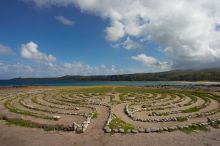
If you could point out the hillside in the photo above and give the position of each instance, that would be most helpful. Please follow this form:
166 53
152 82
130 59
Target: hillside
174 75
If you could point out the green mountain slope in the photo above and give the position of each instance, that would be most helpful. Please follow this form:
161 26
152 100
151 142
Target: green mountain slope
174 75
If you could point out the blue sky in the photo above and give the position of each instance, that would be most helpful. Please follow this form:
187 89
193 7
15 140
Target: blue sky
54 38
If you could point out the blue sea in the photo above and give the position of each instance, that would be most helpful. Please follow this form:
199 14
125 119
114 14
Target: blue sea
89 83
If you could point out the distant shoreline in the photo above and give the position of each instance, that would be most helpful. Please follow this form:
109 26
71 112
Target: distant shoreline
203 76
107 83
201 82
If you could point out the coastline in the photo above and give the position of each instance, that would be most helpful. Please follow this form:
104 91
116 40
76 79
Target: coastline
107 83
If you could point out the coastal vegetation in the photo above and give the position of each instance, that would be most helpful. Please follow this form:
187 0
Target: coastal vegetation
174 75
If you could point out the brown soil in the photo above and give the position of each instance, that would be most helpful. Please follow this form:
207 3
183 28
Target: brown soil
19 136
11 135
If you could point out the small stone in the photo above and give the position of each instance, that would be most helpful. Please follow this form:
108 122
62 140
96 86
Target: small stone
134 131
165 129
156 120
180 127
155 129
186 126
200 124
115 130
147 130
79 130
174 119
71 128
106 127
121 130
172 128
160 129
141 130
129 131
74 126
108 130
56 117
213 121
209 120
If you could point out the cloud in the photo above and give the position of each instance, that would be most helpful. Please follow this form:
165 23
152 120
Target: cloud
79 68
44 65
8 70
14 70
4 50
30 51
151 61
130 44
187 31
64 20
115 31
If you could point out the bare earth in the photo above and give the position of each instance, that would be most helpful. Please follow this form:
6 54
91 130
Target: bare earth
19 136
11 135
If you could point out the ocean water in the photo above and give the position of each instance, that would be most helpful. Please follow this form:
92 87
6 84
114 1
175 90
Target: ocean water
89 83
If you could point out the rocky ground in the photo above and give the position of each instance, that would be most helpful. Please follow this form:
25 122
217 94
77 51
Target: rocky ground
72 105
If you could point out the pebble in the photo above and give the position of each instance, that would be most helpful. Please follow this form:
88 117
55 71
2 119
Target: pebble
115 130
79 129
106 127
121 130
172 128
134 131
108 130
165 128
141 130
129 131
147 130
154 129
160 129
180 127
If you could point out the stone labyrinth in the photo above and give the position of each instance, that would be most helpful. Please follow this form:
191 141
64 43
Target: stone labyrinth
125 109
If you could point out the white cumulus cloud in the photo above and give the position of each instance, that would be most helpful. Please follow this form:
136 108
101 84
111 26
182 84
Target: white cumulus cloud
187 30
64 20
151 61
115 31
30 51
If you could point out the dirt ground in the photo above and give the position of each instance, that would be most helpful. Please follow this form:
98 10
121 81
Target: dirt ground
19 136
11 135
